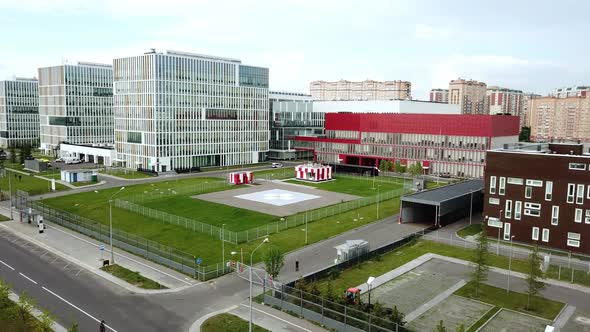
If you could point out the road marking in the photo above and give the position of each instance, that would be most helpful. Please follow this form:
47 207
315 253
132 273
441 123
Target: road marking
131 259
54 260
82 311
31 280
65 267
78 273
8 266
278 318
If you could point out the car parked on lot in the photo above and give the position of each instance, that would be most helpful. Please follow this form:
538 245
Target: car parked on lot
276 165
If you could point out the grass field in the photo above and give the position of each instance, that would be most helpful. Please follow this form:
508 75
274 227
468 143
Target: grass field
228 322
28 183
132 277
275 173
4 218
544 308
469 230
352 186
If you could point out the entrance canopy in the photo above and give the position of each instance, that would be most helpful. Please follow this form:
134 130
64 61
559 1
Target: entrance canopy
443 205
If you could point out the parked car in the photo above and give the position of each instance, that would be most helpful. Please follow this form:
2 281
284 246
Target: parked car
276 165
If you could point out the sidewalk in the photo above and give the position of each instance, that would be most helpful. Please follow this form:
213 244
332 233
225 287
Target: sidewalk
84 251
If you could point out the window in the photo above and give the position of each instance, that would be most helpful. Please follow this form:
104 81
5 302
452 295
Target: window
555 215
508 209
492 184
573 239
517 209
587 219
502 189
578 216
133 137
507 231
517 181
588 192
534 206
580 194
535 233
494 201
548 190
534 183
545 235
532 213
578 166
570 192
528 192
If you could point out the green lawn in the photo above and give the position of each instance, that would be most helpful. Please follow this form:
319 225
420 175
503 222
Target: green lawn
4 218
275 173
230 168
132 277
236 219
353 186
469 230
544 308
228 322
28 183
126 173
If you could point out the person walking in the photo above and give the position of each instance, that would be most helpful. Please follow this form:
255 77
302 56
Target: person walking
296 266
102 327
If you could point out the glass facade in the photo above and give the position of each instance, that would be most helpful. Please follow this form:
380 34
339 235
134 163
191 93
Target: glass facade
190 110
75 105
19 113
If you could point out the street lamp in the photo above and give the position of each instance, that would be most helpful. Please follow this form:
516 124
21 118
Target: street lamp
111 222
509 263
252 258
379 186
499 229
241 255
369 282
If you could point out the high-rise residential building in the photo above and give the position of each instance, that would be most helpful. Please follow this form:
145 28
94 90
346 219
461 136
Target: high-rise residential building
469 94
526 106
439 95
504 101
442 144
539 194
572 91
75 105
560 119
177 110
19 113
291 115
365 90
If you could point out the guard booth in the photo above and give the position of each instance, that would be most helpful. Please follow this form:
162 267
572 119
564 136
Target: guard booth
240 177
313 172
351 249
442 206
33 216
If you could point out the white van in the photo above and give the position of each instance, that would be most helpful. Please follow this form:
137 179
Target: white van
276 165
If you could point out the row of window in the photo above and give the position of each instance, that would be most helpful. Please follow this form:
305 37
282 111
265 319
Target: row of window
575 192
534 210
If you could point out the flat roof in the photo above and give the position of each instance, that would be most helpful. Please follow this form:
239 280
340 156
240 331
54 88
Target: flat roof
439 195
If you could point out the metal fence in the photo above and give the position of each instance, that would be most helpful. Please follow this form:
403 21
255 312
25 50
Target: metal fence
151 250
179 189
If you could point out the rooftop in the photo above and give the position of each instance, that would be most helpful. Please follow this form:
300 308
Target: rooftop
443 194
549 148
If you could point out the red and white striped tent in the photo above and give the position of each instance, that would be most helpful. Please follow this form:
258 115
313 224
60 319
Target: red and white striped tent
240 177
313 172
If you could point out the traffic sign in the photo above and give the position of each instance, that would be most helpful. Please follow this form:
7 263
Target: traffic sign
101 247
199 261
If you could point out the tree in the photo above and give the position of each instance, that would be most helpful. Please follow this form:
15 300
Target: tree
397 317
525 134
534 285
45 323
377 310
398 167
21 156
440 327
74 328
274 261
329 292
415 169
385 165
481 268
5 301
24 309
460 328
12 152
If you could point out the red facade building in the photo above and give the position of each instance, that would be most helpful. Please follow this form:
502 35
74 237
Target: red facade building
445 144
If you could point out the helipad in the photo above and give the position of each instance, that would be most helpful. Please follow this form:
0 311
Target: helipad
278 197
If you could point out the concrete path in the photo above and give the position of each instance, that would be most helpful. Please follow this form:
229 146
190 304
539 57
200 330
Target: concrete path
564 317
85 252
436 300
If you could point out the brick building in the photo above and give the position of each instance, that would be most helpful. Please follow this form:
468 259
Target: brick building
539 194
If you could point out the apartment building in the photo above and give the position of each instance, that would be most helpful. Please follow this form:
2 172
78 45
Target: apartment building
19 113
176 110
291 115
75 105
539 194
504 101
439 95
364 90
526 106
572 91
443 144
470 95
560 119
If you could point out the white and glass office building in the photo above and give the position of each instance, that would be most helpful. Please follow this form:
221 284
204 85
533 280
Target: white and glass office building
19 113
76 105
177 110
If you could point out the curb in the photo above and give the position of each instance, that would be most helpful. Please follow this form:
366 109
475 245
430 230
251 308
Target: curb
196 326
37 313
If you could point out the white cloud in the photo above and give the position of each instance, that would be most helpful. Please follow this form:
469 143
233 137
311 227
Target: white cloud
427 32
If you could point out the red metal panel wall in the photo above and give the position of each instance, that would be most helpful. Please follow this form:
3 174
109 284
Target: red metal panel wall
434 124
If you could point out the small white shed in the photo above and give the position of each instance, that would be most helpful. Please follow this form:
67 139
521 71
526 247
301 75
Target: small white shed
79 175
351 249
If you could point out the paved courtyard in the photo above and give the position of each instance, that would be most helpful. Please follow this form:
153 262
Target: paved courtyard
454 311
508 320
275 198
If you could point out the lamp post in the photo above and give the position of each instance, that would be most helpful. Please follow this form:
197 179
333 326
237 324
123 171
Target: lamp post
369 282
509 264
9 192
111 222
379 186
499 229
223 247
252 258
241 255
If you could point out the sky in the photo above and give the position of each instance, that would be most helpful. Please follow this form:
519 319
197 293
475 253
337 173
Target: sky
534 46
